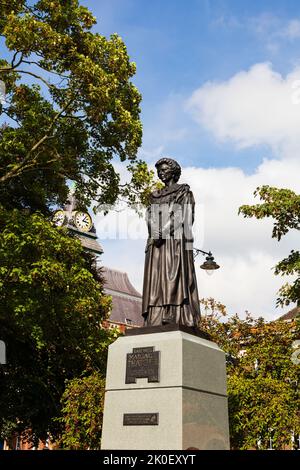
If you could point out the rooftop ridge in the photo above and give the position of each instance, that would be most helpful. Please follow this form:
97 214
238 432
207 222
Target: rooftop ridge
118 281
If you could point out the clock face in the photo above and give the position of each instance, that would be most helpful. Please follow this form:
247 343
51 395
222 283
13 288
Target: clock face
59 218
83 221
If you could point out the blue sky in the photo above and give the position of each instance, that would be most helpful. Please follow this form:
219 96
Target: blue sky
239 132
220 81
179 45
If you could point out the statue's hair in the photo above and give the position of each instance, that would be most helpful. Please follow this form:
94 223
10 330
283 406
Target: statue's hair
175 167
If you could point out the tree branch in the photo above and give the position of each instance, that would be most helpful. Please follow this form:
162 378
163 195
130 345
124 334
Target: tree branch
5 111
33 12
29 62
13 65
18 169
96 182
70 116
49 85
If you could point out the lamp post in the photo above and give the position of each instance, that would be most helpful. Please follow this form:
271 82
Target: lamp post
271 438
209 264
2 352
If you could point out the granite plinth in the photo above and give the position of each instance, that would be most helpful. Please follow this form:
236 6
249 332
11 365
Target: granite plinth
186 407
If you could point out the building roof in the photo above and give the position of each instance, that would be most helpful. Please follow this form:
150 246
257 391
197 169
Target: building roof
291 314
126 300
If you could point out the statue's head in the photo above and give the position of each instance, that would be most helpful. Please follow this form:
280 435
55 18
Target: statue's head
173 168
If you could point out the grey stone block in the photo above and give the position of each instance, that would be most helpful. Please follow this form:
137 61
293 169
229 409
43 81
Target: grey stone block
190 397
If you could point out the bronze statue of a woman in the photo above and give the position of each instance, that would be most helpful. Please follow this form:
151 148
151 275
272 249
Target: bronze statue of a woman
170 287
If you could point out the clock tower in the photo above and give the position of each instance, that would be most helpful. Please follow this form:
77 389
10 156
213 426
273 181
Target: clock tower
79 222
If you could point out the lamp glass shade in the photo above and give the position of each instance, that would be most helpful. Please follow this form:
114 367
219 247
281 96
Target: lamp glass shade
209 264
209 272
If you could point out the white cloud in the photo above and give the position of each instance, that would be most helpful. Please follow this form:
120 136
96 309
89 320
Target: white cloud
264 24
243 247
274 31
254 107
271 30
292 29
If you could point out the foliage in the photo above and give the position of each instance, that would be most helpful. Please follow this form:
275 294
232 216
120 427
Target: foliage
283 205
142 184
71 108
70 113
51 307
261 409
263 382
83 402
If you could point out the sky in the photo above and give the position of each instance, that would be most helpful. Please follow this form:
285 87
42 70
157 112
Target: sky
220 82
220 85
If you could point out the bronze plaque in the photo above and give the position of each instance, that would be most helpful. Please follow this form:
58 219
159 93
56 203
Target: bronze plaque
142 363
140 419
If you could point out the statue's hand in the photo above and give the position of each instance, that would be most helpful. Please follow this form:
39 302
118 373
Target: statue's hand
155 233
158 242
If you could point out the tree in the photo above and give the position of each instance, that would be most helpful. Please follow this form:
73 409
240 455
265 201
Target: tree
263 413
83 402
263 387
70 112
263 382
51 309
70 109
283 205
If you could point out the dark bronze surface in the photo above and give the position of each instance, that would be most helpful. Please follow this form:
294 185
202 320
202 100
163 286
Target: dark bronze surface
165 328
142 363
170 292
140 419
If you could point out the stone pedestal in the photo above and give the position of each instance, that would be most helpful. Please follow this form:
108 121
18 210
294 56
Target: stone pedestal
179 401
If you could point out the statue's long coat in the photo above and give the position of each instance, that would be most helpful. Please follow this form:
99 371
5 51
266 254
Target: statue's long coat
170 287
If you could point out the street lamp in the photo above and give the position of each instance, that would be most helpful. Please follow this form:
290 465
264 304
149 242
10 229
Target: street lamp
2 352
209 264
270 430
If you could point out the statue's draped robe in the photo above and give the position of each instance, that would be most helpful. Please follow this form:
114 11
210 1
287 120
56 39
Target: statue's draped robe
170 292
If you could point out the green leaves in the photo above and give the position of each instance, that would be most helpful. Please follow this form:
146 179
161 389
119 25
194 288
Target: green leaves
289 266
71 111
142 184
260 409
263 382
283 205
83 402
51 309
84 113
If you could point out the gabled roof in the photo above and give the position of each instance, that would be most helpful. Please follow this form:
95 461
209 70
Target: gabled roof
291 314
126 300
118 281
